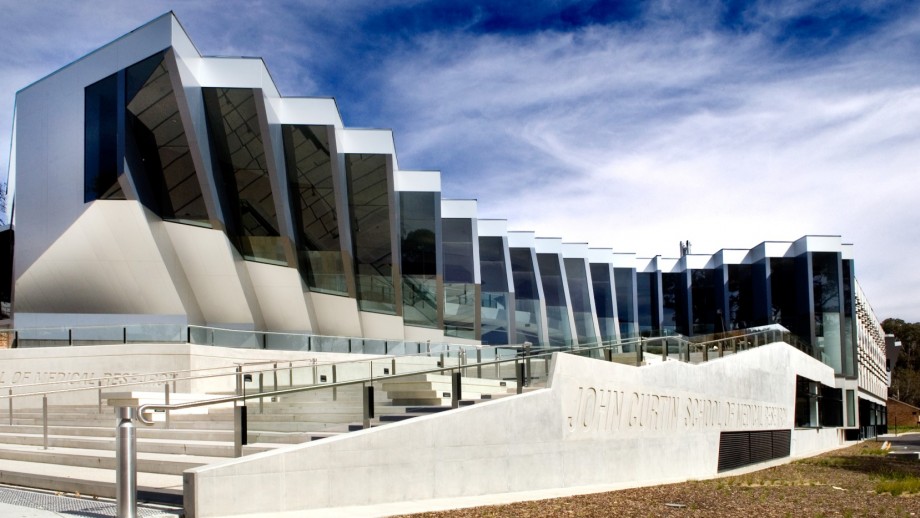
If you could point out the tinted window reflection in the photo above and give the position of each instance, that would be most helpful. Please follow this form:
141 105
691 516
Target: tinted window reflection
418 229
625 286
602 287
157 150
461 296
496 297
527 319
368 203
313 208
580 295
243 182
557 310
100 159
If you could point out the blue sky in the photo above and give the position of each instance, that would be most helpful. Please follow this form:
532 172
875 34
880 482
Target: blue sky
631 125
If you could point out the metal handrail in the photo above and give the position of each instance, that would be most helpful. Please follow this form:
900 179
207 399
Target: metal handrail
534 353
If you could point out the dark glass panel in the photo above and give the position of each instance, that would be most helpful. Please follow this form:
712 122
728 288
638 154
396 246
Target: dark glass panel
576 276
849 325
604 300
740 296
156 147
527 320
557 310
418 212
674 303
783 293
457 245
496 297
100 132
460 300
703 296
312 198
369 206
242 180
625 286
460 292
647 302
827 300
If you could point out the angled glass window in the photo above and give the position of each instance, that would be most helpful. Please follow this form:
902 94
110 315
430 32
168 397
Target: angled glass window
100 140
367 177
783 293
156 148
242 175
527 317
706 314
604 300
313 209
849 325
674 303
557 309
740 296
648 303
418 221
826 283
496 297
625 286
576 276
461 294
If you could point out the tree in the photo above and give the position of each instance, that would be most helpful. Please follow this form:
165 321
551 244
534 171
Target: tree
905 378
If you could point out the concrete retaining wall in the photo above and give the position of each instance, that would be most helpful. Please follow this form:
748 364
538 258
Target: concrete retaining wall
597 423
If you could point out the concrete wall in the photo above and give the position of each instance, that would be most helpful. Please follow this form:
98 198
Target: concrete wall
75 370
597 423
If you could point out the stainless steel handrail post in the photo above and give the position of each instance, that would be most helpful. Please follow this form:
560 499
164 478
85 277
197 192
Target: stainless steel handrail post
479 363
335 376
99 394
166 399
261 390
44 421
125 462
11 405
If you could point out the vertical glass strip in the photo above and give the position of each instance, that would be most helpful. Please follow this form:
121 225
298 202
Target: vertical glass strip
156 147
495 296
242 175
703 297
625 286
827 296
313 208
460 297
557 309
527 316
602 288
580 295
367 177
419 249
100 134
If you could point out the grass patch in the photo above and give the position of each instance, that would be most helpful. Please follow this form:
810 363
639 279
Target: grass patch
873 451
898 483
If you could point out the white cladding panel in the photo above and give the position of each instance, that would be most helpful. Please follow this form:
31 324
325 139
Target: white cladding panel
307 110
458 209
521 239
418 181
492 227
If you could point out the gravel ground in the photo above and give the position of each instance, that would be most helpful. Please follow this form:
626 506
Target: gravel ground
840 483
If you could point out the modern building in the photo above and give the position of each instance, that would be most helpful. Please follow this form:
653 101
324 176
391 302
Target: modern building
155 185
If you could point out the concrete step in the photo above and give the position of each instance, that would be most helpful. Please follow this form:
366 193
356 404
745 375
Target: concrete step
166 464
152 487
147 432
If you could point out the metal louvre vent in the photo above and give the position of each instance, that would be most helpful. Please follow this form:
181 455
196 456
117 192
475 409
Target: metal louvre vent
738 449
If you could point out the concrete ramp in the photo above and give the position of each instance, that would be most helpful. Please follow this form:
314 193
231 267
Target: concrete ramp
596 423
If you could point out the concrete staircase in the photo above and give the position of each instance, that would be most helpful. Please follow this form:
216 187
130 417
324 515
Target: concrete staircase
80 454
